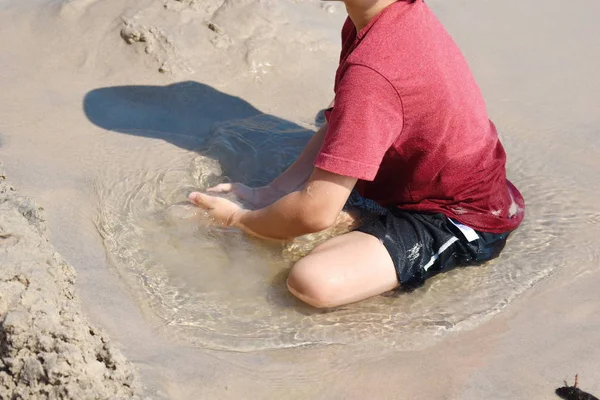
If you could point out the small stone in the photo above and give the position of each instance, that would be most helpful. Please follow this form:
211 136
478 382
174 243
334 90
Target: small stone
164 68
214 27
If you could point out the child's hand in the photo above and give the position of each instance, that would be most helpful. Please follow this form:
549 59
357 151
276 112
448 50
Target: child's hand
254 197
222 211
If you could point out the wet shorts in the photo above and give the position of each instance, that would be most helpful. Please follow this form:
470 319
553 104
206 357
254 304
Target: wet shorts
422 245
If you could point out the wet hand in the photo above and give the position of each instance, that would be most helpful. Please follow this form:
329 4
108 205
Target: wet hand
222 211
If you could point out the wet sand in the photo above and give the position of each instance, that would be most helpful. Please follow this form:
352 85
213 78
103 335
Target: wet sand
48 348
106 107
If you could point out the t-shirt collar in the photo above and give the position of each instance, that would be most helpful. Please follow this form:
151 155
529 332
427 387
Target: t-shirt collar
367 27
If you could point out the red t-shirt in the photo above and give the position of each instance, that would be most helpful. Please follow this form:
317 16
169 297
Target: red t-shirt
411 124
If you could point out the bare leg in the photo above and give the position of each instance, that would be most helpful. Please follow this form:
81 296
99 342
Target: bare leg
342 270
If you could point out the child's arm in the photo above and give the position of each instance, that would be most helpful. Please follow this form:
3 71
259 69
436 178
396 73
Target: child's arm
309 210
312 209
298 173
290 180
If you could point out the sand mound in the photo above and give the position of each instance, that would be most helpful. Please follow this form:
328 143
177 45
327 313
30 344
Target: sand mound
47 348
227 37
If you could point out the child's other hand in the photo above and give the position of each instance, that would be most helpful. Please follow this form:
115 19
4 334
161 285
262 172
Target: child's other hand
254 197
222 211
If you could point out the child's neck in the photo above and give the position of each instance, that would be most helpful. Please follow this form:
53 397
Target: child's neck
361 12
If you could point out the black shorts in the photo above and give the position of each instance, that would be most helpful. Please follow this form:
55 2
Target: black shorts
422 245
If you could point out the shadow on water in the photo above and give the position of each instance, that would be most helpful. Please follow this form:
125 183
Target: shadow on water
171 112
197 117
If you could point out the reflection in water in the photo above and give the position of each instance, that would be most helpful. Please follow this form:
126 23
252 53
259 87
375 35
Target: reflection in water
221 289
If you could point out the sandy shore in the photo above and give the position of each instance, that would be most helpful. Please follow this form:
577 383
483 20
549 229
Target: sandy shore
48 348
104 104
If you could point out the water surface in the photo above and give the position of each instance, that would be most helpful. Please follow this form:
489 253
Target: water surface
218 288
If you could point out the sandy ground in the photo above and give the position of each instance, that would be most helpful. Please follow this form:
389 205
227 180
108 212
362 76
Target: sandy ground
536 63
48 349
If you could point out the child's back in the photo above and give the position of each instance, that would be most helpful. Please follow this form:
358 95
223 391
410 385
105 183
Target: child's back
422 139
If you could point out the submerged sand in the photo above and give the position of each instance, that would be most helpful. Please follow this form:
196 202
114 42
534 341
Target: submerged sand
110 111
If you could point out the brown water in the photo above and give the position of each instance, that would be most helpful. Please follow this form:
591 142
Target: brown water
221 289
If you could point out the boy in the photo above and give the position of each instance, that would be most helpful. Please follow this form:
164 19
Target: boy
409 130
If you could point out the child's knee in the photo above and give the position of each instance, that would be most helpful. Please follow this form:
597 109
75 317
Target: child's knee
312 285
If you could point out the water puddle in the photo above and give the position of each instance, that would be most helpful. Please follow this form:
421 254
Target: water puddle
218 288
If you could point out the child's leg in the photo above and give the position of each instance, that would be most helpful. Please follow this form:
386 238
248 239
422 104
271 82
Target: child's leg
342 270
397 246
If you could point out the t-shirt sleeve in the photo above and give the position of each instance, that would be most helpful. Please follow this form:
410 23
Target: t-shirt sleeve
365 121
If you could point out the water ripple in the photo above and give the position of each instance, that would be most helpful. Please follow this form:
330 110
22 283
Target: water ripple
218 288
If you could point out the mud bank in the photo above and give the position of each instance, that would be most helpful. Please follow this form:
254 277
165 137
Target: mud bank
47 347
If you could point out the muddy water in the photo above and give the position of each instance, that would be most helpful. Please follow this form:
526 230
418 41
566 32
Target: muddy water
220 289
